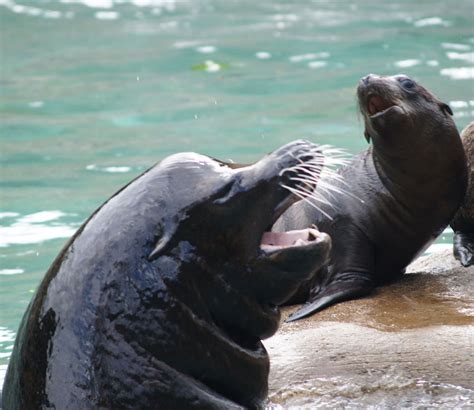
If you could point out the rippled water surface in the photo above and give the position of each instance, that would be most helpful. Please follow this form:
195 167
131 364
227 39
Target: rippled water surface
95 91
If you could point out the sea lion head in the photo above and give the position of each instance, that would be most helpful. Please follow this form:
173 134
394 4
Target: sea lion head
224 212
397 108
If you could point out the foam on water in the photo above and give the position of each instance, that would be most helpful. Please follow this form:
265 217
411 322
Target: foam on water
31 229
107 15
109 169
469 57
317 64
408 63
7 337
8 214
431 21
206 49
11 271
263 55
309 56
456 46
458 73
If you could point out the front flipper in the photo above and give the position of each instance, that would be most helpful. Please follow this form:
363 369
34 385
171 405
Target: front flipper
463 248
346 287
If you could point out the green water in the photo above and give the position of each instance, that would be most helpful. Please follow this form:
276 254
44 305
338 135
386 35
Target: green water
95 91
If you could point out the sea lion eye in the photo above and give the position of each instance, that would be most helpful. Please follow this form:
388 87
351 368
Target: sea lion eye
407 83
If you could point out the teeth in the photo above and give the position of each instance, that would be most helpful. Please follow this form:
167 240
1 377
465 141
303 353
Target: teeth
299 242
313 233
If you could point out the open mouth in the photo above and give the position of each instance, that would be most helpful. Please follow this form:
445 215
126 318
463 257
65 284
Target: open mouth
277 241
274 241
377 106
300 175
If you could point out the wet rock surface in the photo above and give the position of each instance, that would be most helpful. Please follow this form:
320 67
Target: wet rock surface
409 344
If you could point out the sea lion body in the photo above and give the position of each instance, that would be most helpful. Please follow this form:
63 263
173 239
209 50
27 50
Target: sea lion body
395 198
463 222
161 298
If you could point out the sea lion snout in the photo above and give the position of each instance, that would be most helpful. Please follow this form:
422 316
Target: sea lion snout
378 95
366 80
385 103
290 155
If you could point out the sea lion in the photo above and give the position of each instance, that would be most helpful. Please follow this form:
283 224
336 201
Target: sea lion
397 197
463 222
161 298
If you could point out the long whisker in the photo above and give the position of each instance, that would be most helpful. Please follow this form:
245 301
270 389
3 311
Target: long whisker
317 167
306 199
310 193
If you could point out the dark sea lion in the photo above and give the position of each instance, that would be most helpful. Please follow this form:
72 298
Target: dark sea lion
463 222
397 197
161 298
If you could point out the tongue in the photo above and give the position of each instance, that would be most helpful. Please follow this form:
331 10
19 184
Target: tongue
377 104
287 239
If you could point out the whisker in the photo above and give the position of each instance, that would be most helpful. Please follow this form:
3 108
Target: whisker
314 195
317 167
329 187
305 199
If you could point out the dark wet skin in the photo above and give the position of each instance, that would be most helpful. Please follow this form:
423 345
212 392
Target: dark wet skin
162 297
400 193
463 222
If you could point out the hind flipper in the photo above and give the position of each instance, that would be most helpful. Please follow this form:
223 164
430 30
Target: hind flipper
463 248
349 286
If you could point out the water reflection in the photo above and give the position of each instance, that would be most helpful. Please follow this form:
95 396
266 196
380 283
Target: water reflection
32 228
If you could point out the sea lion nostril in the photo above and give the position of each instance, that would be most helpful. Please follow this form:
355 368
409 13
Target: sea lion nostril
306 158
368 79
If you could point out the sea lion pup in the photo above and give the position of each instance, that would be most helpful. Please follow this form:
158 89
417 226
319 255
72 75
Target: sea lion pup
161 298
398 197
463 222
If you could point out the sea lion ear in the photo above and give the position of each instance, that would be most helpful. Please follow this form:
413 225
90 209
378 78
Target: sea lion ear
445 108
163 241
231 165
367 136
160 246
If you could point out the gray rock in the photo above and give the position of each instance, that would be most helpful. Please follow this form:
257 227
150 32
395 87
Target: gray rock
410 344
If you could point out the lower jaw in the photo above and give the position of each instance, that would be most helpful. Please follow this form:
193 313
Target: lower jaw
272 241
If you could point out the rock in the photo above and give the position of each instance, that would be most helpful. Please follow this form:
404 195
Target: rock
410 344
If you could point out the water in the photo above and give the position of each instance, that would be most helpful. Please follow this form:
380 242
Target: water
93 92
